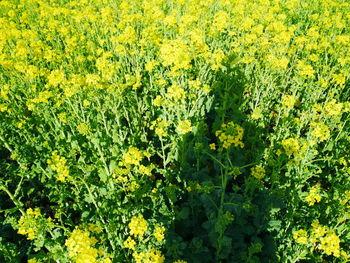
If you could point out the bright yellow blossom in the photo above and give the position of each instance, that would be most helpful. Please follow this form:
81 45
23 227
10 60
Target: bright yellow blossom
330 244
257 114
184 127
28 223
138 226
159 233
313 196
129 243
58 164
291 146
300 236
229 134
81 247
320 131
288 101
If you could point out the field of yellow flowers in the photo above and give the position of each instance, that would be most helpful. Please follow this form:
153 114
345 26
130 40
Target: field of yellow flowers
174 131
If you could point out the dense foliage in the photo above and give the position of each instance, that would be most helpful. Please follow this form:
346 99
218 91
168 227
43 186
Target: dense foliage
155 131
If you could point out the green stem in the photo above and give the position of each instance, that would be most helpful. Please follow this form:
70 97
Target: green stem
99 213
18 204
5 143
103 159
247 165
215 159
163 152
224 178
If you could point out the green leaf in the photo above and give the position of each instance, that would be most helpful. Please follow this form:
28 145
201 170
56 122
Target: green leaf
102 174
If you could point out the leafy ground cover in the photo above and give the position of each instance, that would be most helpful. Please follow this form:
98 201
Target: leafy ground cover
180 131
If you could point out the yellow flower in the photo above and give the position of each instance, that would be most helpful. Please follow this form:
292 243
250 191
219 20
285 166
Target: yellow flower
5 90
332 108
152 256
257 114
320 131
83 128
318 230
105 260
159 233
184 127
212 146
229 134
42 97
159 126
291 146
132 157
91 79
28 224
339 79
158 101
133 186
3 107
146 170
313 196
21 123
330 244
258 172
220 21
151 64
80 247
216 59
306 71
288 101
129 243
300 236
175 92
176 53
86 103
58 164
56 78
138 226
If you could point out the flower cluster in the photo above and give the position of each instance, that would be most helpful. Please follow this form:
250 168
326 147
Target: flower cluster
291 146
138 226
129 243
83 128
184 127
258 172
321 238
81 247
257 114
159 233
159 126
320 131
176 53
317 231
288 101
330 243
332 108
313 196
28 223
58 164
300 236
153 255
133 156
230 134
